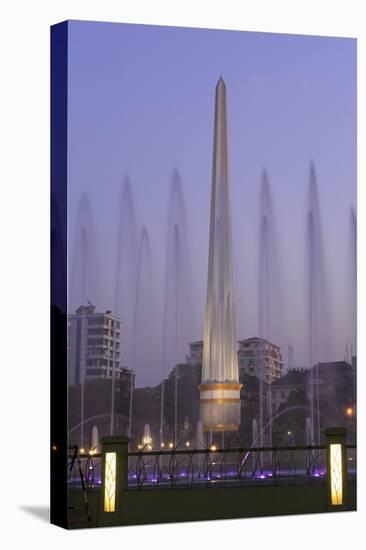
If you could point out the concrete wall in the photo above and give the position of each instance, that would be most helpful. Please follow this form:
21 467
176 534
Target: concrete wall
194 504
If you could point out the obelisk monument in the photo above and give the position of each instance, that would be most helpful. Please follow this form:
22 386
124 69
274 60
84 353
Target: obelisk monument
220 388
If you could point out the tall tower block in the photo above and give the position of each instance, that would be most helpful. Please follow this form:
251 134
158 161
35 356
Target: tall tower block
220 388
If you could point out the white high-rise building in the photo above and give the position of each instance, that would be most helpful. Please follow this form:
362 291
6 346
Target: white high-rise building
220 388
257 356
94 345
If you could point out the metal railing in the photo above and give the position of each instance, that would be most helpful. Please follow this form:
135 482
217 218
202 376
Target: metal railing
84 470
212 467
223 467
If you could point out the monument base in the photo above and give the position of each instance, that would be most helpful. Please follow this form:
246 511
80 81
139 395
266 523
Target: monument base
220 406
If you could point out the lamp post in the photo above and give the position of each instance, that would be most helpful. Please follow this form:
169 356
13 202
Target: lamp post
114 479
336 468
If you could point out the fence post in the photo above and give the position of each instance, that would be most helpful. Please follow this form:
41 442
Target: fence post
336 468
114 475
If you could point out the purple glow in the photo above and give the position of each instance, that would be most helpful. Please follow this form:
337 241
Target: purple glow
278 86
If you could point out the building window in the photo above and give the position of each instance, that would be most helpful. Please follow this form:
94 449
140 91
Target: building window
94 372
98 331
95 321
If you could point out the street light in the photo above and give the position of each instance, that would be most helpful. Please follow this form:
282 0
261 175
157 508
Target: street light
349 411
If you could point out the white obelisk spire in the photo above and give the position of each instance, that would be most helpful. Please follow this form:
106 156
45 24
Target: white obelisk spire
220 390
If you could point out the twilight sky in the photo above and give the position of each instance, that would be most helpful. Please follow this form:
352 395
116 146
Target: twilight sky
141 104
